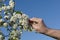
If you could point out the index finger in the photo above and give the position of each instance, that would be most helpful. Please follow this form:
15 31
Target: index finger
35 19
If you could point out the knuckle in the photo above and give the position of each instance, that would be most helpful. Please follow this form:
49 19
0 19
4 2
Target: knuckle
41 19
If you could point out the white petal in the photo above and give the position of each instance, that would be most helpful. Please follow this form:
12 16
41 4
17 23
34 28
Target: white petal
5 24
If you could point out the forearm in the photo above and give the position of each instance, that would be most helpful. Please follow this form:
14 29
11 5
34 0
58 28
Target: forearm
53 33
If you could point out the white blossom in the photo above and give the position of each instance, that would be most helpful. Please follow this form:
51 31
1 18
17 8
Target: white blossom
20 21
7 13
17 20
15 26
4 12
5 24
1 37
13 18
1 20
18 15
0 9
8 7
11 3
14 13
15 33
6 17
24 16
4 7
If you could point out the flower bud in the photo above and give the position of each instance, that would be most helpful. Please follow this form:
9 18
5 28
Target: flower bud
5 24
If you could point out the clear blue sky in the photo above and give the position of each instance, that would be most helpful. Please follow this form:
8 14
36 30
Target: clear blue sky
49 10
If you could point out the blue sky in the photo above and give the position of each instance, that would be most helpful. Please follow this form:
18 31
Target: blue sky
48 10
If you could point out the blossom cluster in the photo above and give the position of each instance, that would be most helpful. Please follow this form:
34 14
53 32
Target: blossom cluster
10 6
14 21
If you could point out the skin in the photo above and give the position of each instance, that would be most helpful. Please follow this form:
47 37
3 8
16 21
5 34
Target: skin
40 27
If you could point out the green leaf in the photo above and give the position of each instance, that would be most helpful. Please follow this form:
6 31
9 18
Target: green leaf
12 38
1 23
0 16
30 29
18 12
3 5
6 12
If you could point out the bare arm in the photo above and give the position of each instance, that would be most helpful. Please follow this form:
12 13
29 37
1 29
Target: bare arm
39 26
53 33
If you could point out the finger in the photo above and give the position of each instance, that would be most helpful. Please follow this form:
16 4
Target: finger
34 26
35 19
33 22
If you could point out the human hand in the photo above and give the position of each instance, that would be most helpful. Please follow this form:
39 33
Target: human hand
38 25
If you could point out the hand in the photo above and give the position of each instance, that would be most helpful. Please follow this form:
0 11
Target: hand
38 25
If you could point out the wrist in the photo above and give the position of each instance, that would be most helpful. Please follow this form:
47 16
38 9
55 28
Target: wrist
44 31
48 31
